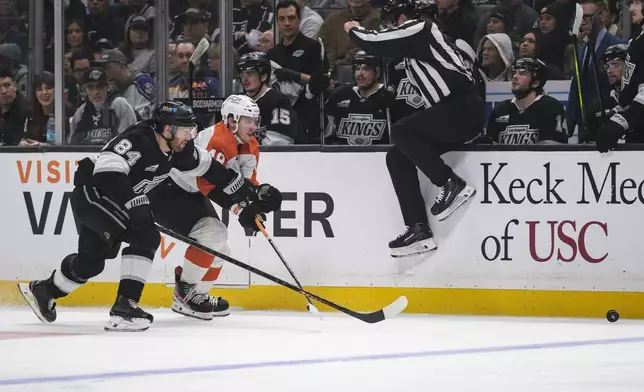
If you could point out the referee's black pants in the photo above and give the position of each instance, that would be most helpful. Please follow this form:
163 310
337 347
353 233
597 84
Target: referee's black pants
419 141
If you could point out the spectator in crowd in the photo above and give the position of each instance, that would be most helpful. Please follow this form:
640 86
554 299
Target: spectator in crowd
357 115
138 88
42 108
178 83
595 33
531 117
300 68
13 30
340 49
101 45
105 21
496 57
138 47
250 19
523 16
141 8
500 22
195 24
172 59
611 18
529 48
76 39
10 59
214 64
79 63
100 118
458 19
266 41
554 34
311 21
14 110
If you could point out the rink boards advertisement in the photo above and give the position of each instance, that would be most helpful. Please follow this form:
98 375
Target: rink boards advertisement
546 234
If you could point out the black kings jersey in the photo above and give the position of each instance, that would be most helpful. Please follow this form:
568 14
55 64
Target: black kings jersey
355 120
279 123
136 154
543 120
632 95
408 99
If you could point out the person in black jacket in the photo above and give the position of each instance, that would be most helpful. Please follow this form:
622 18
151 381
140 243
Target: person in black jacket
454 114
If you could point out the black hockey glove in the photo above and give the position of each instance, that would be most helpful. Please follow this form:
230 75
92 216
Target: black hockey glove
318 83
239 190
247 217
287 75
138 209
270 198
610 133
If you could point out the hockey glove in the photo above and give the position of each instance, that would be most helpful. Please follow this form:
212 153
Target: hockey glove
287 75
138 209
610 133
239 190
247 217
270 198
318 83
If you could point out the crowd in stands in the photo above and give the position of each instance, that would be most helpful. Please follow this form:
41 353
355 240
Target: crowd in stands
110 65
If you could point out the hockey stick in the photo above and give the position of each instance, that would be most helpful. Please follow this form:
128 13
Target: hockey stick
310 307
574 33
200 50
389 311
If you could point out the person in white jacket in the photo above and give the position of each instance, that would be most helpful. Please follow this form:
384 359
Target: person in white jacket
496 57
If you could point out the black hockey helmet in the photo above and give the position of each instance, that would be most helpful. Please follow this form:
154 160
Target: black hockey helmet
394 8
257 61
174 114
427 8
537 68
616 52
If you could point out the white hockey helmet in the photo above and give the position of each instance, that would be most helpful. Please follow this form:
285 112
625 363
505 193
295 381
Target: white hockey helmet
239 106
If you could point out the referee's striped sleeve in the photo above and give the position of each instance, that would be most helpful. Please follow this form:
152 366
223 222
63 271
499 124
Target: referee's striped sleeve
394 42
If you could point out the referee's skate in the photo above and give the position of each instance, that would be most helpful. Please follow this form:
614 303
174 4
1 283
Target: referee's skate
450 196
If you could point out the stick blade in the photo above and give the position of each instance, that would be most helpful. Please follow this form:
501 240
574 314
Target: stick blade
200 50
388 311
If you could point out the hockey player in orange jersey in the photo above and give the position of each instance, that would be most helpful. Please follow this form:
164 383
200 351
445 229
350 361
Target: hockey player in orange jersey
230 142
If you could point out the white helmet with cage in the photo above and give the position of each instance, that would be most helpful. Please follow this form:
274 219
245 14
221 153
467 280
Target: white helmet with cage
239 106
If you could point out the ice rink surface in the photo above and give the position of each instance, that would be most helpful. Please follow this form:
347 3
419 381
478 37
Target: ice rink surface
283 351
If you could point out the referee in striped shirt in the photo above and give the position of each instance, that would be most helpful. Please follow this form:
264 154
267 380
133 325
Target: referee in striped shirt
453 115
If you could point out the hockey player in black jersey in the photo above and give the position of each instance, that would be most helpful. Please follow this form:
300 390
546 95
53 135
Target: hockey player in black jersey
279 122
530 117
358 114
454 114
110 207
629 116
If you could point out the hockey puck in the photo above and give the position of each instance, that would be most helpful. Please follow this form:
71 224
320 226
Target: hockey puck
612 316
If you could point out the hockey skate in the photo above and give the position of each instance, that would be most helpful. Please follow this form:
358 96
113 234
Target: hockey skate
450 196
39 299
188 301
126 316
415 240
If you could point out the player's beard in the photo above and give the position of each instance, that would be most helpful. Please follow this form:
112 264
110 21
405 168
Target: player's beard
521 92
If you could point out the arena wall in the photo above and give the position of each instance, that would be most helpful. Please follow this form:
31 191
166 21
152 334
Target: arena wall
549 233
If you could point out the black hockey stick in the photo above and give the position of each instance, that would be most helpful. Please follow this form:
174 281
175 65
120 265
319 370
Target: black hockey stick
389 311
310 307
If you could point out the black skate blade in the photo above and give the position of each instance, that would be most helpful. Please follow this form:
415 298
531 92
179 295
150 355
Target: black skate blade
463 196
119 324
26 293
184 311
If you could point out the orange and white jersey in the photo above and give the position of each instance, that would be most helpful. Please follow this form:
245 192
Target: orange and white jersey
220 143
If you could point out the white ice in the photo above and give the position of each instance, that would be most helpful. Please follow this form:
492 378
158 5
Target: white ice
290 351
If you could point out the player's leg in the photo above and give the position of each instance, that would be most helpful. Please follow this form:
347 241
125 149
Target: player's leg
77 268
198 219
418 237
424 136
200 270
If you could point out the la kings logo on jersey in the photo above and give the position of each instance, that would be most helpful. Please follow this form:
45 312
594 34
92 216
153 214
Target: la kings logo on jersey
407 91
361 129
629 70
519 134
146 185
